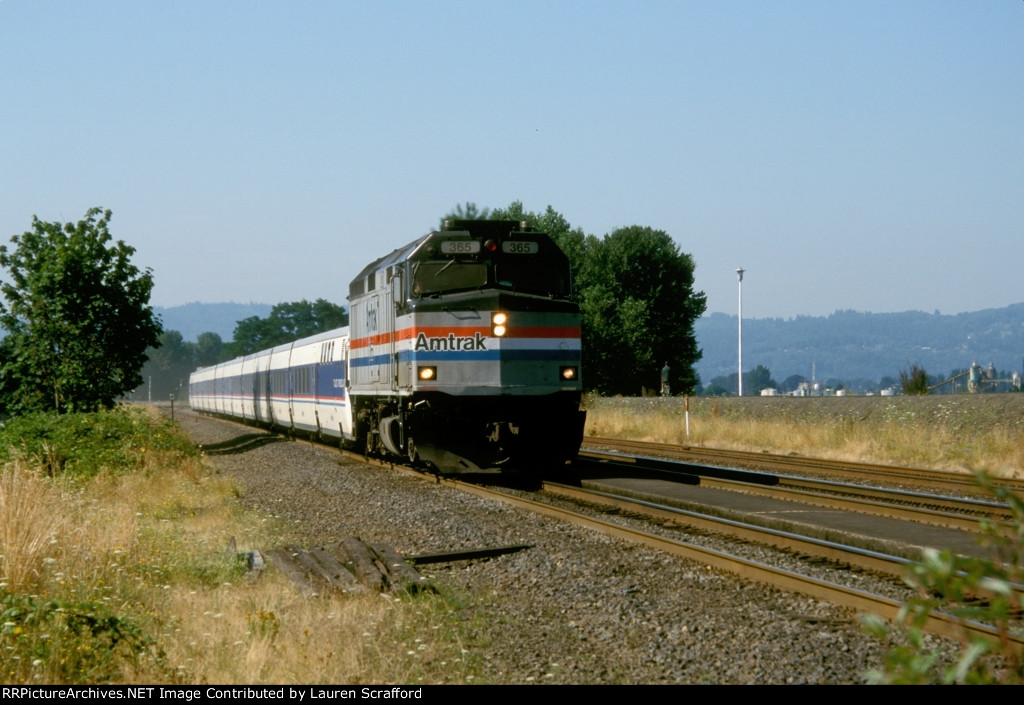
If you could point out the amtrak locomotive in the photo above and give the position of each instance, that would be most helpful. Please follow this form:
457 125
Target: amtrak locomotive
463 353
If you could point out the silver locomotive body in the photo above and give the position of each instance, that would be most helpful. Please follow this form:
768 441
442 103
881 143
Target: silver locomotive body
465 350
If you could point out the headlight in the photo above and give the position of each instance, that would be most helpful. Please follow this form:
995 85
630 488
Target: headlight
567 373
426 374
499 323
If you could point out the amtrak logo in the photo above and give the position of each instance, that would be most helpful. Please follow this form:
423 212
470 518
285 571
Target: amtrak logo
477 342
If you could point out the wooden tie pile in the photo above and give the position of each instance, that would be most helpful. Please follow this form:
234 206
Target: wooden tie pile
351 566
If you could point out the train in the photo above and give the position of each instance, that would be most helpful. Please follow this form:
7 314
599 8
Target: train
462 355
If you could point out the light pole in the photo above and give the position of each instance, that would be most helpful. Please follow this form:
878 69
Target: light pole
739 377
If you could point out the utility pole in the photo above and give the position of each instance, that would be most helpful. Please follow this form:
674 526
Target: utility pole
739 370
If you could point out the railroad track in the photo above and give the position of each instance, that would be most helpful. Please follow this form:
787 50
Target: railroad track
867 472
781 578
554 499
962 513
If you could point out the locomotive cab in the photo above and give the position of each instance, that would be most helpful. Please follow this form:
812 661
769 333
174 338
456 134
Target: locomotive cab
465 350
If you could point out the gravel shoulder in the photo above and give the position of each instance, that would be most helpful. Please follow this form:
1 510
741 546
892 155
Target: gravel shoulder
576 608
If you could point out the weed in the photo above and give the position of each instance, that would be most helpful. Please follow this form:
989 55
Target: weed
963 434
970 589
114 569
61 641
79 446
30 522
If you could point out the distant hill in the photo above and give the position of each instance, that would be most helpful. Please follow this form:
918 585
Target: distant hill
850 345
192 319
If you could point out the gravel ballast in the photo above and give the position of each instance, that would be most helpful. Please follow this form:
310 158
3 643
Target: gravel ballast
576 608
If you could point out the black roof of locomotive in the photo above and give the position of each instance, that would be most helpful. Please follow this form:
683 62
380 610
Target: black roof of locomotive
475 228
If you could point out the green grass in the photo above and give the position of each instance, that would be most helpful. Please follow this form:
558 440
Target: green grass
81 445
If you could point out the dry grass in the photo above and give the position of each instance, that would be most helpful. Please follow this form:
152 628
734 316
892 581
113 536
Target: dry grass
30 524
952 433
146 554
264 632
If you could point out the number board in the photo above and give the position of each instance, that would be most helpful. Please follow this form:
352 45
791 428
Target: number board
520 247
460 247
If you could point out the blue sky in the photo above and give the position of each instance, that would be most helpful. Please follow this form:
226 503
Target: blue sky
848 154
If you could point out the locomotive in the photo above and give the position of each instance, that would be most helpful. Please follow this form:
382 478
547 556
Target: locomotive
462 354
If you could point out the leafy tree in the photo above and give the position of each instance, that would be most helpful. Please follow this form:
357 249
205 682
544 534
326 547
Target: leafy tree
8 387
638 306
914 380
757 379
168 368
467 212
792 383
77 315
727 383
286 322
208 349
714 390
170 364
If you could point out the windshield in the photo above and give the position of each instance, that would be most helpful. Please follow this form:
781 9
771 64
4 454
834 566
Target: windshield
526 275
434 277
533 276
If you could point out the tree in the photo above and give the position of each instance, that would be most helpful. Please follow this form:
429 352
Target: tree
637 303
914 380
835 383
792 383
639 308
757 379
286 322
77 315
467 212
169 365
208 349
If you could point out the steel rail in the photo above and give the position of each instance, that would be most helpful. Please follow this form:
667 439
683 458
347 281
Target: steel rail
786 540
937 622
953 512
853 556
920 476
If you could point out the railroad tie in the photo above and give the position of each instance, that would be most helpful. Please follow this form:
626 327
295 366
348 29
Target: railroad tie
352 566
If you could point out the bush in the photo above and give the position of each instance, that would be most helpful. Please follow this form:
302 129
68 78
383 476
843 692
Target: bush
75 567
970 589
914 380
57 641
80 445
